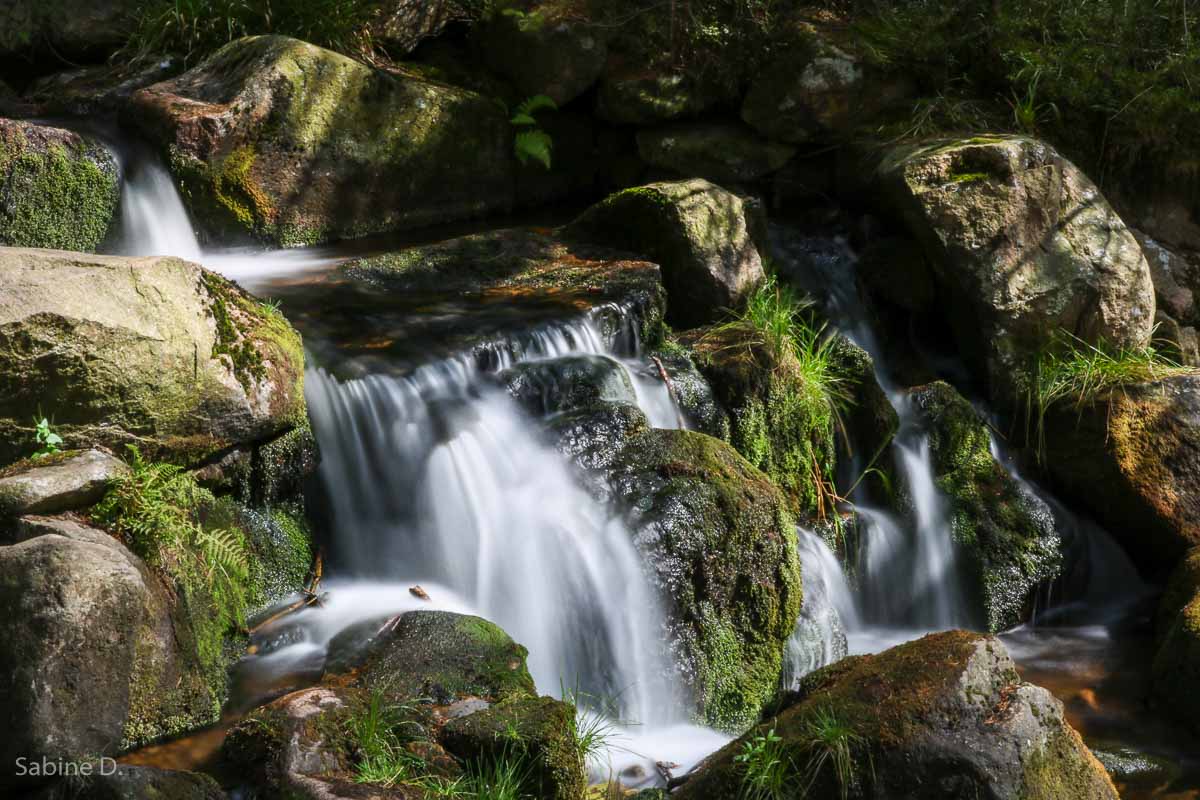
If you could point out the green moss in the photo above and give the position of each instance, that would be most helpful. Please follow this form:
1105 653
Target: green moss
970 177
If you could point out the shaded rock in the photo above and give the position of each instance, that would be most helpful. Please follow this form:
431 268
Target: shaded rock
720 152
1023 245
548 50
567 384
61 30
1176 667
699 234
1132 459
720 541
896 270
1004 535
287 142
645 97
440 655
106 88
398 26
1179 343
192 364
540 729
869 421
58 189
693 395
61 482
944 716
137 783
1171 275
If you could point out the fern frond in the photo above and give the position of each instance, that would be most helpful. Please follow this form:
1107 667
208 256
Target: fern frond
531 105
534 145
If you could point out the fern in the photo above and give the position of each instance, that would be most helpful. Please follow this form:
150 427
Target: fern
531 142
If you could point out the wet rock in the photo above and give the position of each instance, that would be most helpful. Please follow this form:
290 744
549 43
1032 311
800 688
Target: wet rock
1004 535
699 234
1176 668
944 716
542 729
284 141
1172 276
137 783
1023 245
61 30
59 482
548 49
719 152
101 89
592 438
869 421
435 654
693 394
193 365
1131 459
568 384
58 189
720 541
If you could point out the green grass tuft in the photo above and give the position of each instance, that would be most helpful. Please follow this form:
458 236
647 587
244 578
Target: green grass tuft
767 769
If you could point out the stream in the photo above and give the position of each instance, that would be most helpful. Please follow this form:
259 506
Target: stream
432 474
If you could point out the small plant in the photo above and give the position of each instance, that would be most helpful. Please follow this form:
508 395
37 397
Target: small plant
500 778
831 742
378 728
766 768
48 441
1026 109
531 142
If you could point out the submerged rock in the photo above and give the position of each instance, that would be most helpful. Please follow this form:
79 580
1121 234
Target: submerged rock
1131 458
60 482
1176 670
720 152
699 234
58 189
568 384
285 141
719 539
1004 535
1023 245
943 716
192 365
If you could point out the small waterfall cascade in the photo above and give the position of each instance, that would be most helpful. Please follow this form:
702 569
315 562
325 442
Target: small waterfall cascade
153 219
829 609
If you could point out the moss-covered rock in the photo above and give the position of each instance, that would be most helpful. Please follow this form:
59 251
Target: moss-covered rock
538 730
692 393
570 383
284 141
1023 245
1176 671
1131 458
720 152
780 422
699 234
943 716
58 189
720 540
1004 535
869 421
154 352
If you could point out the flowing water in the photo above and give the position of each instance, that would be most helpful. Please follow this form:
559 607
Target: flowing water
435 476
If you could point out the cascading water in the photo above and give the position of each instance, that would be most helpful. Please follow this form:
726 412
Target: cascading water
828 610
153 219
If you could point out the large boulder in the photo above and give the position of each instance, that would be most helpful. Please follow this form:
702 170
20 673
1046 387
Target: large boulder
1004 535
720 541
285 141
943 716
57 482
1176 670
64 31
155 352
699 234
1023 246
98 656
1132 459
58 189
720 152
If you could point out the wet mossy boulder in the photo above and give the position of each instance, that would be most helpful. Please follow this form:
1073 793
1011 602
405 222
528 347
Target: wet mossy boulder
781 422
692 393
544 48
155 352
943 716
1004 535
58 189
699 234
720 152
1132 459
719 539
868 420
286 142
538 730
570 383
1022 245
102 658
434 654
1176 669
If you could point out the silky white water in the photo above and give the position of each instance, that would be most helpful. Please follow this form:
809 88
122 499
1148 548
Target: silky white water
153 219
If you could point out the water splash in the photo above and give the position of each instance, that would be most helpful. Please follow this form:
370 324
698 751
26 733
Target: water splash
829 609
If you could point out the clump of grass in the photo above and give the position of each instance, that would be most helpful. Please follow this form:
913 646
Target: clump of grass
767 769
378 729
1077 373
830 743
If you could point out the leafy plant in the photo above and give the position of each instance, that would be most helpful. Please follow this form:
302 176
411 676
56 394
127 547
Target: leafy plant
48 441
377 728
766 768
1072 371
830 742
531 142
501 778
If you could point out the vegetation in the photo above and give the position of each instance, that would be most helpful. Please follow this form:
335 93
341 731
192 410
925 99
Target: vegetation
377 728
48 441
1072 371
830 741
770 769
767 768
531 142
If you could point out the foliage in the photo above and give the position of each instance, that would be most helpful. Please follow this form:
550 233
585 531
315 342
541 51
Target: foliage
594 729
830 741
156 508
377 729
1072 371
48 441
531 142
766 768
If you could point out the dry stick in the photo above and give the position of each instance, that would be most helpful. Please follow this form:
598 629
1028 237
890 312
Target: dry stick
662 373
310 597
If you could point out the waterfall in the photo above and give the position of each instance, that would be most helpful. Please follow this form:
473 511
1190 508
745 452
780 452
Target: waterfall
828 610
153 219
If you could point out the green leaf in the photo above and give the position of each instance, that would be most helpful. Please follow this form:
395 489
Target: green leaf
531 105
533 145
523 119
